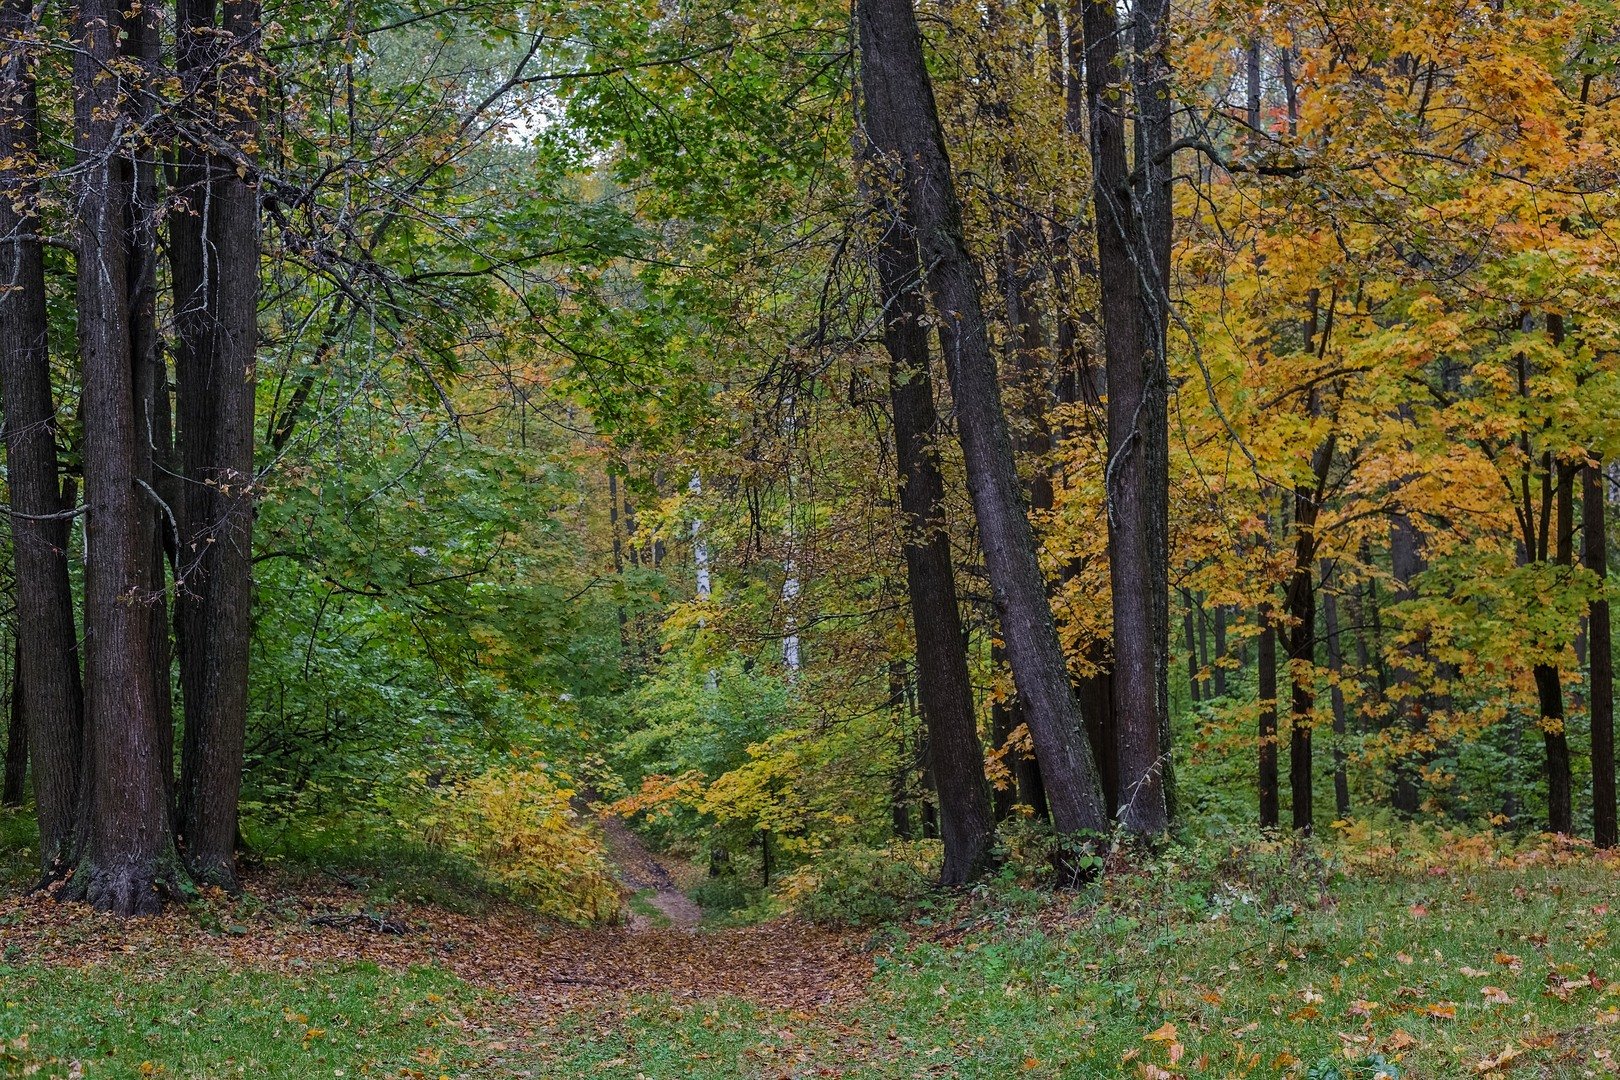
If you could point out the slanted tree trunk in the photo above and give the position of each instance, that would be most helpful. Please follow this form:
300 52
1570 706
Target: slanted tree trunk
216 397
903 124
1267 674
128 864
49 694
966 820
1600 653
1129 279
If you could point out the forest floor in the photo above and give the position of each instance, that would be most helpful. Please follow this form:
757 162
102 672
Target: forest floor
1455 961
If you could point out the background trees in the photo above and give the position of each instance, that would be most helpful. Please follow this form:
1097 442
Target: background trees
987 329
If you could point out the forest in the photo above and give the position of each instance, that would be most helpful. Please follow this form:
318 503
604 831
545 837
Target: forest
659 538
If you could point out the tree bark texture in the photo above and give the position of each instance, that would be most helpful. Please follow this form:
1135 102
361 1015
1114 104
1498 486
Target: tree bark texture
50 693
903 124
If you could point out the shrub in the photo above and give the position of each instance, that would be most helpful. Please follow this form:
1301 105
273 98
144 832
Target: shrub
863 886
515 823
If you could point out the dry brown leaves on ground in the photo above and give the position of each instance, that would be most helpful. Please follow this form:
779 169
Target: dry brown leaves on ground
544 970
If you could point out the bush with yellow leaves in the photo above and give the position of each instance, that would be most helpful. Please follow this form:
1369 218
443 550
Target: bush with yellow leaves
514 822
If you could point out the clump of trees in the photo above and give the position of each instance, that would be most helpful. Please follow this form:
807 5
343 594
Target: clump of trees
814 429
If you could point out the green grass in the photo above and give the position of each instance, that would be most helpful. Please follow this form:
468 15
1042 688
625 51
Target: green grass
1264 977
199 1018
1244 956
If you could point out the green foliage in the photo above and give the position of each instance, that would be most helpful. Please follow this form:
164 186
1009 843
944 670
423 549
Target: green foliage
515 823
860 886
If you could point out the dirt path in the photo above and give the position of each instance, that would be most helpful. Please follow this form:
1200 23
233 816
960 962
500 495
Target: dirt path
541 970
640 870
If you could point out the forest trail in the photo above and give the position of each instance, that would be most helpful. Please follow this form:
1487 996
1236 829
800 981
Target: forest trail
644 873
538 970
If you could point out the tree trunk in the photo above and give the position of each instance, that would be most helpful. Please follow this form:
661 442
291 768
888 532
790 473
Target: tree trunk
1595 553
904 126
1549 685
1134 416
1189 627
16 736
967 824
128 864
1220 650
1268 719
50 694
1302 698
1406 562
1335 655
149 371
216 384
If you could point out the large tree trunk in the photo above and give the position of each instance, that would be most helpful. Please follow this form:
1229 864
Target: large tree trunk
49 693
904 126
1600 652
149 371
966 822
217 287
1129 283
128 864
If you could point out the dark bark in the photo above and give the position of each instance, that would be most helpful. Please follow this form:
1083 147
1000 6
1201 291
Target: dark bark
1267 675
149 371
16 736
967 824
1406 562
1335 658
1302 658
1129 282
1005 797
1189 626
128 864
903 124
1220 650
1600 653
216 410
1549 683
51 694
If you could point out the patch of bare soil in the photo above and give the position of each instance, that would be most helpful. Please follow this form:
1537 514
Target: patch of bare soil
644 872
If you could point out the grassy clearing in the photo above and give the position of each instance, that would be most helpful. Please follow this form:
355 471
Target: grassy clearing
1442 958
197 1018
1277 969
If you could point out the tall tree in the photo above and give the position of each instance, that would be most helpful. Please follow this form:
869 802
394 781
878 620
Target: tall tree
49 692
216 275
903 124
128 862
1131 273
966 821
